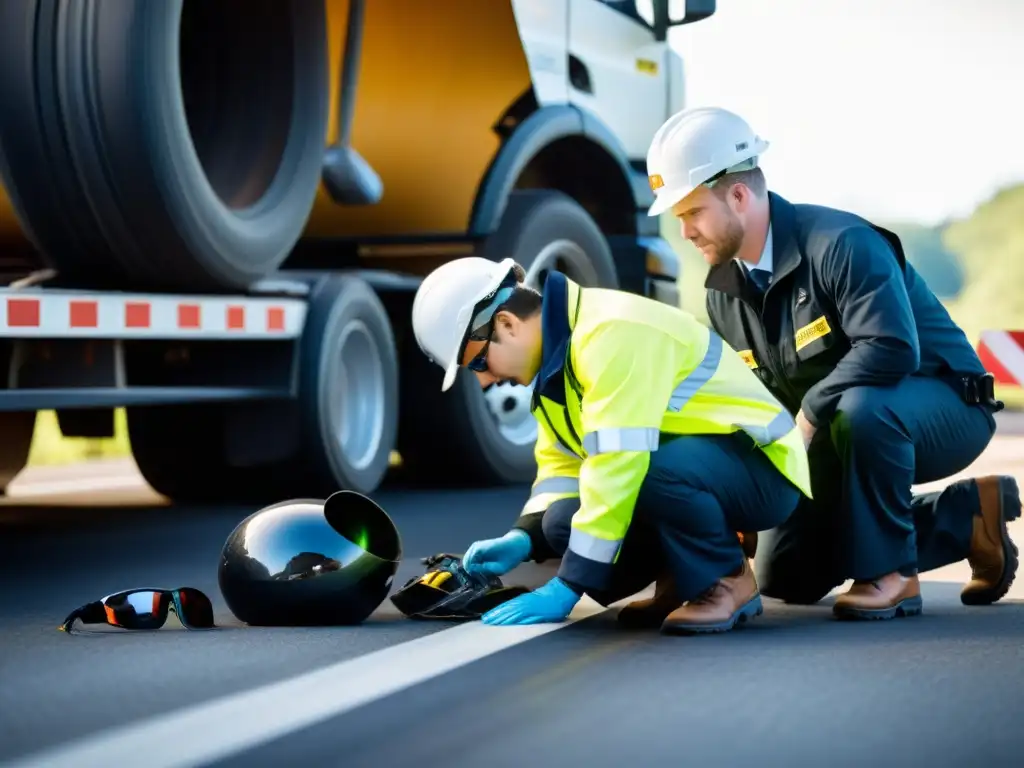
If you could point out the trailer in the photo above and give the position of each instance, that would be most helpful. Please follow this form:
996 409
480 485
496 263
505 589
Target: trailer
215 215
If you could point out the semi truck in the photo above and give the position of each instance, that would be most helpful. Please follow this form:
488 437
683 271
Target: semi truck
215 215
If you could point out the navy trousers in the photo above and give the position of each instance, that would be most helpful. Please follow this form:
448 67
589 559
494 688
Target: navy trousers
864 521
700 490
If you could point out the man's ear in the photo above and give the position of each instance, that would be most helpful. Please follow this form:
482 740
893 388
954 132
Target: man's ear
507 322
741 197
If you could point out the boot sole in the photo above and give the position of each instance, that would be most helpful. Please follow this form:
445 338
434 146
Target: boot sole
747 612
911 606
1009 509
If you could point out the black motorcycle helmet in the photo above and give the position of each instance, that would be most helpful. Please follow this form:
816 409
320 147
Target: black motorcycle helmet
306 562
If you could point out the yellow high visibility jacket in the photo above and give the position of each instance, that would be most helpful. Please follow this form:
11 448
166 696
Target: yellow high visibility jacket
618 370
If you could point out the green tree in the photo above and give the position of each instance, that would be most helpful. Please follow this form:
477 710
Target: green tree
939 267
990 245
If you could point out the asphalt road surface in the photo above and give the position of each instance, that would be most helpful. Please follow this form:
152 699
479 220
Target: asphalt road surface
793 689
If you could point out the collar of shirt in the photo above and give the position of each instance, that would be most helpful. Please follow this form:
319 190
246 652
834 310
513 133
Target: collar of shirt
766 256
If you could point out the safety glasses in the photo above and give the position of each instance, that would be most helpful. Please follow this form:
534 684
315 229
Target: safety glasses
487 307
146 609
479 361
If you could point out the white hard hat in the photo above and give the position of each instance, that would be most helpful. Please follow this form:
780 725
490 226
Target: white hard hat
454 299
695 145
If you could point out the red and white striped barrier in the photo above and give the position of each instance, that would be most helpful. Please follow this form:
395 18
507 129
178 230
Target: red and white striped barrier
63 314
1002 354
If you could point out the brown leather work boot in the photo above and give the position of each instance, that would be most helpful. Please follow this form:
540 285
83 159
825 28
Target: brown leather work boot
889 597
748 541
733 600
651 611
993 555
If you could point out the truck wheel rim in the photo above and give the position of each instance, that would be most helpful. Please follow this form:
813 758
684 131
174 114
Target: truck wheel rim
510 403
510 406
359 389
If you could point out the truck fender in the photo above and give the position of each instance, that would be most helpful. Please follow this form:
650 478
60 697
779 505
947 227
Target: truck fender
543 127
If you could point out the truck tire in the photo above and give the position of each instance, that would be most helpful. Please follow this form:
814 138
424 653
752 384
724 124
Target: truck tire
339 433
179 450
18 428
163 144
348 389
489 436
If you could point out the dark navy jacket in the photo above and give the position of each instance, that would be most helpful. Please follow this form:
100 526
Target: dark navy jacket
844 309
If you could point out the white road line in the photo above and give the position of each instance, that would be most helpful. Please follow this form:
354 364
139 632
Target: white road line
214 730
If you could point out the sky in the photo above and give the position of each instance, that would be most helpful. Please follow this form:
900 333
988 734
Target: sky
903 110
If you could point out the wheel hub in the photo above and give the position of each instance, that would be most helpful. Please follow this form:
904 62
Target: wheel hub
510 406
359 387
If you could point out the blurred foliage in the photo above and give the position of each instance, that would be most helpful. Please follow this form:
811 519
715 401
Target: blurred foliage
927 252
51 448
990 244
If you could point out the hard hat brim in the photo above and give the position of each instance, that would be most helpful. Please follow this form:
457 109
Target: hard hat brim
451 372
454 363
665 202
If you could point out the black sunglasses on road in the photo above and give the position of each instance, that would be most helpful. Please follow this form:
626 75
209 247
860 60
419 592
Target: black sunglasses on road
146 609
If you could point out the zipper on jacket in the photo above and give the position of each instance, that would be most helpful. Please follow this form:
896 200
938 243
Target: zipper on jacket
773 364
555 432
568 423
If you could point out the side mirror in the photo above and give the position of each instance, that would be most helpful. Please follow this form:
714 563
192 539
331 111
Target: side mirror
675 13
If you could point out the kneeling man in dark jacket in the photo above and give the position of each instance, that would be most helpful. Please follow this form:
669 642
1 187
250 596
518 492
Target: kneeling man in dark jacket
888 391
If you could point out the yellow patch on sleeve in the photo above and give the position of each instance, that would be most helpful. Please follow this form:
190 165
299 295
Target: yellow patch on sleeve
812 332
748 358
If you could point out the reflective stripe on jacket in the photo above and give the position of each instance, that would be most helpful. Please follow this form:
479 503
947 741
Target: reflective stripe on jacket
558 473
617 371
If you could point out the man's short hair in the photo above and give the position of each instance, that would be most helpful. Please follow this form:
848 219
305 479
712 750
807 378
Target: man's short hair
753 179
524 302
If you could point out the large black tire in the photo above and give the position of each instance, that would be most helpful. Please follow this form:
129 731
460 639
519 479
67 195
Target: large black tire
541 230
344 422
179 450
163 144
18 429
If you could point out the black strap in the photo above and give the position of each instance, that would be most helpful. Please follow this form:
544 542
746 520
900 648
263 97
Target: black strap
573 381
976 389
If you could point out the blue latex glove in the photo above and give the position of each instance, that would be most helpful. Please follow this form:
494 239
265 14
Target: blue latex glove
497 556
550 603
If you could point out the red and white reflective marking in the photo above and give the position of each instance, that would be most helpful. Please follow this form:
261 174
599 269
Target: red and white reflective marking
1002 354
82 314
